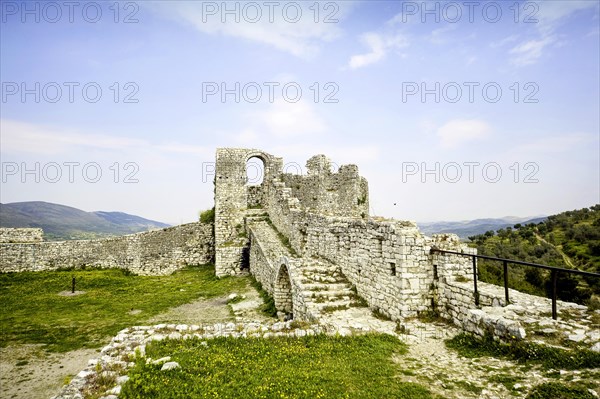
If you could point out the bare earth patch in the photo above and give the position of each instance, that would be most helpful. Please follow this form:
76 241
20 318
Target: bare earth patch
28 372
71 293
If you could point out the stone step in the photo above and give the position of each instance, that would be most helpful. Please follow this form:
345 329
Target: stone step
341 303
316 287
321 271
325 279
332 293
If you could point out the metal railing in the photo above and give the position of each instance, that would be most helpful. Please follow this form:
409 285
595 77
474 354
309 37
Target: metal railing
554 273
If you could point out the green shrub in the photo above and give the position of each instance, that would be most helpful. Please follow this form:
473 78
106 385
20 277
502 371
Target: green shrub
208 216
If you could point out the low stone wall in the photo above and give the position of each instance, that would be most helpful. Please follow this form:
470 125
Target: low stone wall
14 235
131 342
262 269
157 252
276 269
457 303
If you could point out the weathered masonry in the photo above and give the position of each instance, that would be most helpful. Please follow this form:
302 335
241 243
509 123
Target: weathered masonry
310 240
311 243
150 253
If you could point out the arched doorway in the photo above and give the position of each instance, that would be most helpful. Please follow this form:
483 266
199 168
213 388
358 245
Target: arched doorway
255 175
283 292
255 171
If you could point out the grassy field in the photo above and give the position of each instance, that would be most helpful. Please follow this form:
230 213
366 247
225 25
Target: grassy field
33 312
309 367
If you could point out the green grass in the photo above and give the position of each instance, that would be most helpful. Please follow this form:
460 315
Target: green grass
522 351
34 313
268 307
469 387
557 390
507 380
309 367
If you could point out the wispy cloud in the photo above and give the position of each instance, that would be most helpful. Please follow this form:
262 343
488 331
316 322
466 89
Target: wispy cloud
440 35
503 42
281 120
459 131
529 52
379 45
28 138
300 34
550 15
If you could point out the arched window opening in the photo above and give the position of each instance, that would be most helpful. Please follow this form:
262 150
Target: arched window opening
255 171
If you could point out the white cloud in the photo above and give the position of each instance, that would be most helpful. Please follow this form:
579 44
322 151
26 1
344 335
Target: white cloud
30 138
529 52
505 41
274 27
440 36
549 15
379 45
459 131
284 119
23 137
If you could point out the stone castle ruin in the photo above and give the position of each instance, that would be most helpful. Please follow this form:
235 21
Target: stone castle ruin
311 243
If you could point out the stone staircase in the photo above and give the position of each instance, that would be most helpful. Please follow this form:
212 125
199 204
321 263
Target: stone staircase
324 293
334 302
269 241
325 288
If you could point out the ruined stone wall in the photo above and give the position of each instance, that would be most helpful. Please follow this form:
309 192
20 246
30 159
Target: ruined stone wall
256 196
12 235
388 261
344 193
262 268
323 192
156 252
324 215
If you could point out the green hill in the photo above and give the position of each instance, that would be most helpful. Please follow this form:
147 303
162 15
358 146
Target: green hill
569 240
468 228
62 222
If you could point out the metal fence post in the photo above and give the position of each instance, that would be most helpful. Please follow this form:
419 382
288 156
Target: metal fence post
475 281
505 264
554 278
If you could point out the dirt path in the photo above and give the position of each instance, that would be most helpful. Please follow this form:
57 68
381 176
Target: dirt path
29 372
559 250
215 310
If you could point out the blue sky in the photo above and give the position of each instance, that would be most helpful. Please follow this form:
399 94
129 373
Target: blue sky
451 110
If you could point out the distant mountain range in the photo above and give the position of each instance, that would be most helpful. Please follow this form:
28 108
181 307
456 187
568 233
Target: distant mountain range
467 228
62 222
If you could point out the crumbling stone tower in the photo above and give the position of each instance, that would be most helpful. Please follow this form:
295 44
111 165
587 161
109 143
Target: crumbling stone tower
233 197
322 191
